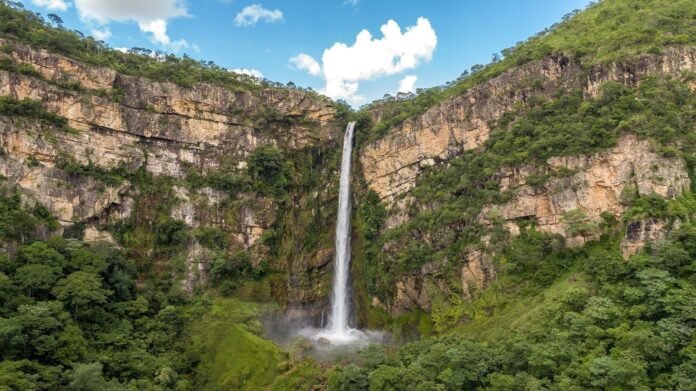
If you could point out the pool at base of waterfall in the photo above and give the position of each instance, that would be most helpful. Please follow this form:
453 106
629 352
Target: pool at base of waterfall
348 336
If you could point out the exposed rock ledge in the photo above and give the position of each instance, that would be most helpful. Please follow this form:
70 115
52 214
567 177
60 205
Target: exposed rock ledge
165 128
391 165
596 187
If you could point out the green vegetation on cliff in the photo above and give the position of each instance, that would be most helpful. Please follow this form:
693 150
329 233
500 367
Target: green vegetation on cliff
31 29
607 31
28 108
606 324
72 318
444 214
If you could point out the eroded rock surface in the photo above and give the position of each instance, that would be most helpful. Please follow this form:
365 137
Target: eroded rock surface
392 164
167 130
596 185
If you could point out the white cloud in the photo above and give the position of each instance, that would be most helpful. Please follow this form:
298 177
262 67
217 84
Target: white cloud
122 49
249 72
343 66
183 44
152 16
59 5
352 2
408 84
254 13
307 63
158 29
105 11
101 35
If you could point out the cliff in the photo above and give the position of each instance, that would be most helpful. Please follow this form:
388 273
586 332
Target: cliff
125 124
120 125
392 164
555 195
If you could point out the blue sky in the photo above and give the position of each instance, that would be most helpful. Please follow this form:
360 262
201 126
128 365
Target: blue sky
447 37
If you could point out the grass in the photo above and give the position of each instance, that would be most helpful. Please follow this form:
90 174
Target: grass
302 376
233 355
518 313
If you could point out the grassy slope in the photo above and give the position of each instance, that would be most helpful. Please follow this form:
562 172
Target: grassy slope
233 356
520 312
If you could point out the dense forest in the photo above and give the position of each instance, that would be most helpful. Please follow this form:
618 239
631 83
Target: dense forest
113 315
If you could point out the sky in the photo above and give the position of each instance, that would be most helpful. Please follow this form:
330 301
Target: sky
355 50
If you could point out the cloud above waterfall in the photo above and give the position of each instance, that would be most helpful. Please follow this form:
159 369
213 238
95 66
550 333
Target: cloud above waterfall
152 17
343 67
307 63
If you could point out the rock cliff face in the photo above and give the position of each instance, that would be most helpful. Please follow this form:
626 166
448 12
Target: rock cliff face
595 184
169 131
591 185
391 165
165 129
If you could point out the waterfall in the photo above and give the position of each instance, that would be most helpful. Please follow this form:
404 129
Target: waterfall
337 332
339 299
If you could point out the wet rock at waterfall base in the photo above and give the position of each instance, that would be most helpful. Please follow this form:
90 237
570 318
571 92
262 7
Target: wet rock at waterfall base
324 341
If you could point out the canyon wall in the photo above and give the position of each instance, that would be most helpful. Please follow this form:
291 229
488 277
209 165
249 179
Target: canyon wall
590 186
392 164
130 123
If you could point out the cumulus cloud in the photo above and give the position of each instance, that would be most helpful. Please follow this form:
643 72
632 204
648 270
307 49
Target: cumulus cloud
249 72
408 84
254 13
158 29
343 67
105 11
307 63
58 5
152 16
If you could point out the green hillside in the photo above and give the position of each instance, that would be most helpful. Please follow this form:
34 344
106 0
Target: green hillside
606 31
93 315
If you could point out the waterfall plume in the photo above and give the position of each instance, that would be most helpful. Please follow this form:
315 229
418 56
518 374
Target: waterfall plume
340 303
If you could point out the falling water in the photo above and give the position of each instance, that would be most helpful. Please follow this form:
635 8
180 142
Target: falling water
338 333
339 301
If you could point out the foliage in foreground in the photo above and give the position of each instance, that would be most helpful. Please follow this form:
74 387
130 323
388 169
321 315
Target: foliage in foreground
71 317
631 326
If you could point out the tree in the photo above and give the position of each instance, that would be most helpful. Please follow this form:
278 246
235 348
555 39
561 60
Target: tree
170 232
87 377
80 289
476 68
37 279
85 260
56 20
578 224
349 378
270 170
13 377
32 332
40 253
72 345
